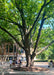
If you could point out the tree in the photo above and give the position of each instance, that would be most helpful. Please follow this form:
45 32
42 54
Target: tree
24 19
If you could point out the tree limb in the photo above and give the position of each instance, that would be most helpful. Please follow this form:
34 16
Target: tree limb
12 36
45 47
48 2
45 4
22 36
19 25
11 21
22 16
36 43
43 19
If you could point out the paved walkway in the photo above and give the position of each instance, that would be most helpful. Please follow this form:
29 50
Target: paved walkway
40 64
50 72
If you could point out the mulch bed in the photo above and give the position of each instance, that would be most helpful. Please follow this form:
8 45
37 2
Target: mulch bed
33 69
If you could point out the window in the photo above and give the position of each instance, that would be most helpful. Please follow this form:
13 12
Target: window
22 51
10 48
14 48
6 48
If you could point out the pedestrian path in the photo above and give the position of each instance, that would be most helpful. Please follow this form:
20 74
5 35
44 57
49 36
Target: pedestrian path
7 71
50 72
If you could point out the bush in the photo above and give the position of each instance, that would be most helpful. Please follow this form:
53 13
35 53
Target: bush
41 60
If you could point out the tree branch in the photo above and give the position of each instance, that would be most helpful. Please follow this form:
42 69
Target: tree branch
48 2
19 25
22 16
39 31
22 36
36 43
45 4
11 21
45 47
12 37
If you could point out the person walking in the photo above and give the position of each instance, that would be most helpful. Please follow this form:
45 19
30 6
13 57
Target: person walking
10 61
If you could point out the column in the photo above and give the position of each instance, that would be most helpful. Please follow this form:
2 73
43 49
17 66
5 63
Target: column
5 52
16 51
13 51
8 51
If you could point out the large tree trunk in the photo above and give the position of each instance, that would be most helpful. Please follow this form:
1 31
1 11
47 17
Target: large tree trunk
28 59
27 50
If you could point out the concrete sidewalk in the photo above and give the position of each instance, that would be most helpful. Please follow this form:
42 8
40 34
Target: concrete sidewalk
39 64
49 72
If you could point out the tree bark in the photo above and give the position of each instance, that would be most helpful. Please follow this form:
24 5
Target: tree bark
28 59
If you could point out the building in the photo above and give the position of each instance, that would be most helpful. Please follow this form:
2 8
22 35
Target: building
11 51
